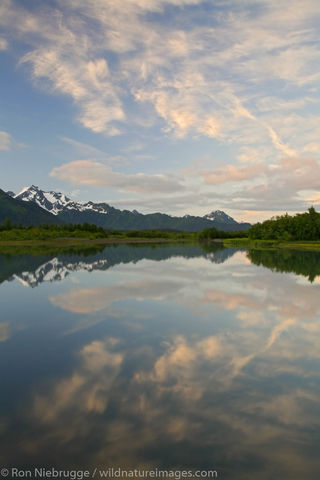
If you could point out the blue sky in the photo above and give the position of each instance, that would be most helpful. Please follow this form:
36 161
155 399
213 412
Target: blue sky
178 106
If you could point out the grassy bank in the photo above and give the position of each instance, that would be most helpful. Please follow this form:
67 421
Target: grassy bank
249 243
74 235
90 241
82 242
38 236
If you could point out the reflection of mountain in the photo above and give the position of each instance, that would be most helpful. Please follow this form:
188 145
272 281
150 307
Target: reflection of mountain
33 270
220 255
18 259
301 262
55 270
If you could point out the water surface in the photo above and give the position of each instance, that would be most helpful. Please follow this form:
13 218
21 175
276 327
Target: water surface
173 357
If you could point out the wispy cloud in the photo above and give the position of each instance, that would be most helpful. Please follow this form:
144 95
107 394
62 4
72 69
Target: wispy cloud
239 75
84 148
93 173
280 185
5 141
292 184
3 44
232 173
196 75
284 185
279 145
87 82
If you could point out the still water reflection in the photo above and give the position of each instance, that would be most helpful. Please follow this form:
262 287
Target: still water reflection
173 357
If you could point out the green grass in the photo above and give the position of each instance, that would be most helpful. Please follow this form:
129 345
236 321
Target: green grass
69 235
61 236
38 233
249 243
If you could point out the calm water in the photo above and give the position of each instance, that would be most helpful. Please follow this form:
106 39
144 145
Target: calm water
167 357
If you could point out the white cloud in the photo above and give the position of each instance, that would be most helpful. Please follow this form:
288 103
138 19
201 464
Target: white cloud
279 145
86 82
283 183
291 184
194 74
242 74
89 172
274 186
84 148
5 141
3 44
232 173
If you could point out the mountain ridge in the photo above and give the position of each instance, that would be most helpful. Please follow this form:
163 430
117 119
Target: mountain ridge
108 217
21 212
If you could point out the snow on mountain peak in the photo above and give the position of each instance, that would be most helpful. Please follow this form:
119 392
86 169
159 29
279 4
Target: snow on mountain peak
55 202
51 201
219 216
25 189
58 203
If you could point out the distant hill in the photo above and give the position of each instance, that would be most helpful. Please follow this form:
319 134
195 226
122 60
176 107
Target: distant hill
108 217
26 213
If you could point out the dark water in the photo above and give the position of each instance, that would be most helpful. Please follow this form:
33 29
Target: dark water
169 357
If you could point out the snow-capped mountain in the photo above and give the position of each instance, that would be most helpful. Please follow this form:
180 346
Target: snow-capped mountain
56 202
220 216
102 214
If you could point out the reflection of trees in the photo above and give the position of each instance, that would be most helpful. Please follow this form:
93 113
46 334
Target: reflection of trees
301 262
34 267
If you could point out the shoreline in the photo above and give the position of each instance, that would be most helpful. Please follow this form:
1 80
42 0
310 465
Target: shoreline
272 244
232 242
87 241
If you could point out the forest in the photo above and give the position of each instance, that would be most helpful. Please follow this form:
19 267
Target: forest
12 231
302 226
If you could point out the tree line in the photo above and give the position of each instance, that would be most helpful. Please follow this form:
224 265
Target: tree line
302 226
16 231
214 233
65 227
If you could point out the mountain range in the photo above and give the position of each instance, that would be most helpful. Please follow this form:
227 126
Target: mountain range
60 209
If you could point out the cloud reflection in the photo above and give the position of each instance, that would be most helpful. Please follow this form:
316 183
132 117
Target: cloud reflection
232 382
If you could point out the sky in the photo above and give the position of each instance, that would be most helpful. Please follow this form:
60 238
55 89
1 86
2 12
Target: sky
176 106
